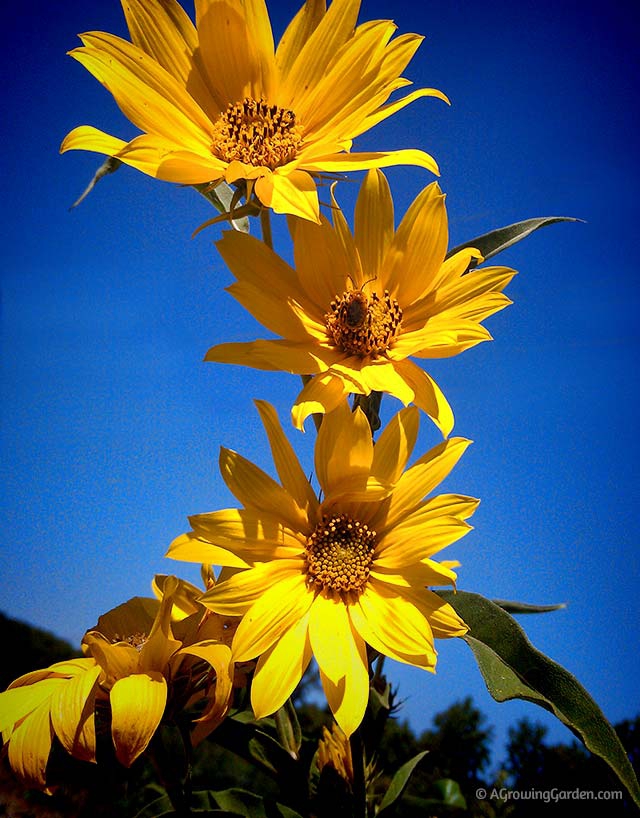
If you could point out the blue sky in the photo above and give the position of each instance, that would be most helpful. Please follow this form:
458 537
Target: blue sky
111 423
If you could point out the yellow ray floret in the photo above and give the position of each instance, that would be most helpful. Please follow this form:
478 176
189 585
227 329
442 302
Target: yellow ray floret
218 101
356 307
328 577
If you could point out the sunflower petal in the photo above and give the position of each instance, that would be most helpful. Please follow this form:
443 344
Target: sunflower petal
373 224
137 706
427 395
280 669
418 481
255 489
72 714
395 445
30 746
191 548
323 393
276 610
348 698
235 595
288 466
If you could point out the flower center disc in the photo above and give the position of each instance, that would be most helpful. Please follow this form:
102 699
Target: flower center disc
339 554
136 640
257 134
363 325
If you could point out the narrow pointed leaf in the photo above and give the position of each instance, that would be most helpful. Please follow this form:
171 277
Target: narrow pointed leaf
494 242
251 805
254 745
513 669
225 201
288 728
399 781
109 165
525 607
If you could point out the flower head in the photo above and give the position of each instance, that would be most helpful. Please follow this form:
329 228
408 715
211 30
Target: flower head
358 306
327 577
138 663
218 101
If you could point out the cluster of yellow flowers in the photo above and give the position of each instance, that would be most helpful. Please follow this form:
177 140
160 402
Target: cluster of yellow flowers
341 576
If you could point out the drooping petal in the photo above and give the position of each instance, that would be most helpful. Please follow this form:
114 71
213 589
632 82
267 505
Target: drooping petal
219 658
30 746
348 698
293 192
72 714
427 395
137 706
280 669
323 393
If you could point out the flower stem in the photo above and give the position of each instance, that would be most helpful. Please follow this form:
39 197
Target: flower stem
265 224
359 781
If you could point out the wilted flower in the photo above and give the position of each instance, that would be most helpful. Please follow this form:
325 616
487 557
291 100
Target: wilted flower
138 663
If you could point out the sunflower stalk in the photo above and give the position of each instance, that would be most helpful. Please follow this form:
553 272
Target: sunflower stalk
170 752
359 775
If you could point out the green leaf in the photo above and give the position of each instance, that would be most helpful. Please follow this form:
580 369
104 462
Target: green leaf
513 669
225 201
288 728
399 781
525 608
250 805
490 244
251 743
156 808
447 791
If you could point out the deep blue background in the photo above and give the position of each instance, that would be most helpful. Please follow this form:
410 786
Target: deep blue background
111 423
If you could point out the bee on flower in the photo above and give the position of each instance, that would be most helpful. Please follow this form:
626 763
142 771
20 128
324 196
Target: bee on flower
357 307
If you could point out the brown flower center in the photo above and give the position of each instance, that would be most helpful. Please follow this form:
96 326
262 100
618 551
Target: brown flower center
136 640
363 325
339 554
256 133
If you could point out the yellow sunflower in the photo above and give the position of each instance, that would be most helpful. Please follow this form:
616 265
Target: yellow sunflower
357 306
327 577
217 101
136 666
